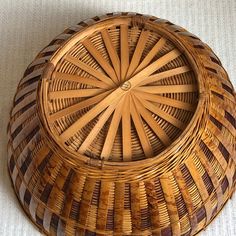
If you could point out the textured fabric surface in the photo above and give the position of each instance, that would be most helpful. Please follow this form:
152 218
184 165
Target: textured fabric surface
27 26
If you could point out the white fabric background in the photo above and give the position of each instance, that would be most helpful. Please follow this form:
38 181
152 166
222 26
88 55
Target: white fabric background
26 26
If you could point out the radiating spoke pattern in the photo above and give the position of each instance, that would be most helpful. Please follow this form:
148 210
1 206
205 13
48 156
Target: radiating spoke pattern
122 94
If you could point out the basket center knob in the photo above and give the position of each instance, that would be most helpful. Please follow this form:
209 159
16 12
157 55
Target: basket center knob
126 85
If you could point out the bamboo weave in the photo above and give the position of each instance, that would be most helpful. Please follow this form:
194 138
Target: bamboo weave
123 125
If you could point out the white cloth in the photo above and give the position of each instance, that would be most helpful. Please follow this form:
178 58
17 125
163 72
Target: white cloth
26 26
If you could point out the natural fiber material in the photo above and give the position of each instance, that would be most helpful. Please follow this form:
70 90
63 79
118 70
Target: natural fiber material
125 125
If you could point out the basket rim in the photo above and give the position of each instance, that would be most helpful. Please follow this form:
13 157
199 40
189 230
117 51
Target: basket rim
71 155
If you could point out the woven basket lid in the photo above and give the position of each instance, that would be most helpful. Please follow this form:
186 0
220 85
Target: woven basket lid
123 125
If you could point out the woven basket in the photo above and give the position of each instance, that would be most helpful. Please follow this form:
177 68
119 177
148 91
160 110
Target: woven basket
123 125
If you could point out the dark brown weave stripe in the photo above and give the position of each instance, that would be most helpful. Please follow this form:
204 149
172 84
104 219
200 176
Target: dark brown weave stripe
96 194
181 206
27 197
145 218
17 131
199 46
39 220
75 208
26 163
230 118
47 53
29 70
159 194
44 162
32 134
12 164
224 152
211 70
208 183
89 233
69 31
224 184
201 214
217 123
96 18
167 231
57 41
25 108
208 153
187 176
127 204
68 181
228 89
46 192
218 95
54 221
82 24
110 219
213 59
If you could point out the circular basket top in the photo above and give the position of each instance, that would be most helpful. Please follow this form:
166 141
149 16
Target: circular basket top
119 90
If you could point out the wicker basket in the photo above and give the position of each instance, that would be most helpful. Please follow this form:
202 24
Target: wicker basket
123 125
